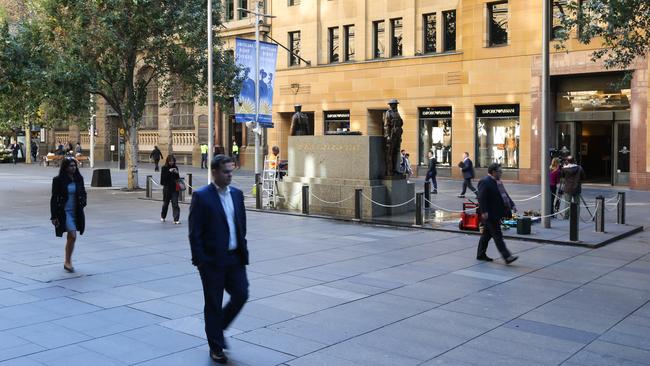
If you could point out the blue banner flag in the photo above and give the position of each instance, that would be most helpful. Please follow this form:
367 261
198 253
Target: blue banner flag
245 102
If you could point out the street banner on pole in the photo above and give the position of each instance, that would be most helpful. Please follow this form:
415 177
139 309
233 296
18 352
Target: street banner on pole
245 102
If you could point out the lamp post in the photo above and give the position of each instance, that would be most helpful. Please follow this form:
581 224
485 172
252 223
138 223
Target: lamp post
92 131
257 130
546 204
210 96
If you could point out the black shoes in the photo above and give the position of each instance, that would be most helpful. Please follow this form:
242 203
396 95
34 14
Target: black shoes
461 196
68 269
511 259
218 356
484 258
435 191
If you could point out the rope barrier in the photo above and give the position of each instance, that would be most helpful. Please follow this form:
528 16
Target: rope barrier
328 202
528 199
387 206
447 210
551 215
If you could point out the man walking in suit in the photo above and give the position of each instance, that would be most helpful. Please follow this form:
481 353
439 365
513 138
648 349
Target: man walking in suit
432 172
494 203
467 168
217 232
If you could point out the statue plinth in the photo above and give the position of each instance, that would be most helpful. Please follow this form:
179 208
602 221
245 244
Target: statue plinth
333 167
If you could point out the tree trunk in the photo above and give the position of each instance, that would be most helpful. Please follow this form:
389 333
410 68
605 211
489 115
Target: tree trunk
28 143
170 135
132 156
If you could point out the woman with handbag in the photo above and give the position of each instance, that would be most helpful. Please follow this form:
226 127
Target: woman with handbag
169 178
67 206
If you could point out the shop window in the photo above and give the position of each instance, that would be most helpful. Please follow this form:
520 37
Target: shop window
435 135
336 121
429 29
378 29
593 93
294 46
498 23
333 44
449 19
396 37
497 135
559 10
349 42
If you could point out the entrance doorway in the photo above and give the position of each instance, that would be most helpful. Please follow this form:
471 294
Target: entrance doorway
595 150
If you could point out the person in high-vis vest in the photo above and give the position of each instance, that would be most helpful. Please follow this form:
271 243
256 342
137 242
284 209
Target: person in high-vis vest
235 153
204 156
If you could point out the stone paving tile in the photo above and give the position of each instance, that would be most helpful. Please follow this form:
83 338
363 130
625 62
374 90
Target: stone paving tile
438 290
110 321
282 342
9 297
581 269
49 335
12 346
601 353
74 355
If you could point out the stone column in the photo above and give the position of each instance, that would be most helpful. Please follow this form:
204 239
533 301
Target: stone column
638 131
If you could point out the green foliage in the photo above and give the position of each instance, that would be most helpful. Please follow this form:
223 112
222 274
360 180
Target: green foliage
622 25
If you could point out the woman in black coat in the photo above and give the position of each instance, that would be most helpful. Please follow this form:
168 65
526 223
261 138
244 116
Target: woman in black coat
67 206
168 178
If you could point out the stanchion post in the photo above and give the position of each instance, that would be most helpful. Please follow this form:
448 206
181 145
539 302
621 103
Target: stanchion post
258 192
600 214
419 198
427 194
181 196
573 221
357 203
620 215
189 183
148 189
305 200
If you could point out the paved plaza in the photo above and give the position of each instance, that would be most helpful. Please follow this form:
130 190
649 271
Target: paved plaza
323 292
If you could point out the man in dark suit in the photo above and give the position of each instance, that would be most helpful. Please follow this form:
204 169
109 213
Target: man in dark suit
467 168
494 204
217 231
432 172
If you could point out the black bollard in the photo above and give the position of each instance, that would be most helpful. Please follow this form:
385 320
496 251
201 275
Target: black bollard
419 198
620 217
258 195
148 189
305 200
427 194
189 183
600 214
357 203
181 194
573 221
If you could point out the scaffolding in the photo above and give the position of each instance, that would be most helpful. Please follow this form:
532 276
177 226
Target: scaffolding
270 181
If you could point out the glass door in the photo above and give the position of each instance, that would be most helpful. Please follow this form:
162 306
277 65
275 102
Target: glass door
566 138
621 173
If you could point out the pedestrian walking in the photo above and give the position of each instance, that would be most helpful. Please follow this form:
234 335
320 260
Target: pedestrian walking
432 172
77 149
155 155
217 233
555 171
34 148
235 153
204 156
408 171
573 175
494 204
169 177
15 150
467 169
67 206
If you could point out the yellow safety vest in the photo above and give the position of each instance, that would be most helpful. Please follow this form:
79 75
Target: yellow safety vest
235 149
204 149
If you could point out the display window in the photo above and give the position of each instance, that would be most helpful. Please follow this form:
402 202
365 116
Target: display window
497 135
336 121
435 135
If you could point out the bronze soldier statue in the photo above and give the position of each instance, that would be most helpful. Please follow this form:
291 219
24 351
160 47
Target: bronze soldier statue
299 122
392 138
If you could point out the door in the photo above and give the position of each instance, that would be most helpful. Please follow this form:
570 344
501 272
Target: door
566 138
595 150
621 149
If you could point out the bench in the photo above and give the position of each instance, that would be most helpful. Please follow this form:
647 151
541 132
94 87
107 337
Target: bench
56 160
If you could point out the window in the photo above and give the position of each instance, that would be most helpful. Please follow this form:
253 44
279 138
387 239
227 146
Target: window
435 135
333 44
497 135
498 24
378 29
182 110
396 37
230 10
244 5
429 36
559 10
349 42
293 2
294 47
150 115
336 122
449 20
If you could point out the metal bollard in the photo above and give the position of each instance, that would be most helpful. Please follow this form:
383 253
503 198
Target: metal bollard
305 200
600 214
181 195
573 221
357 203
258 195
620 208
427 194
148 189
189 183
419 198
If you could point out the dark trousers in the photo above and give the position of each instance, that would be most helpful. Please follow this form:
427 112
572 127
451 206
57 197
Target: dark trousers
492 230
434 182
170 194
467 183
204 161
155 162
555 203
215 280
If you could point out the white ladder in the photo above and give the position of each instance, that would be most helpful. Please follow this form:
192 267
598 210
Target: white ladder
269 181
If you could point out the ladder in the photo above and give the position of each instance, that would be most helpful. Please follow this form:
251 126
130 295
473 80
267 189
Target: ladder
269 181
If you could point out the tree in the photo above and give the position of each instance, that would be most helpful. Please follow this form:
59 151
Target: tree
100 45
622 25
